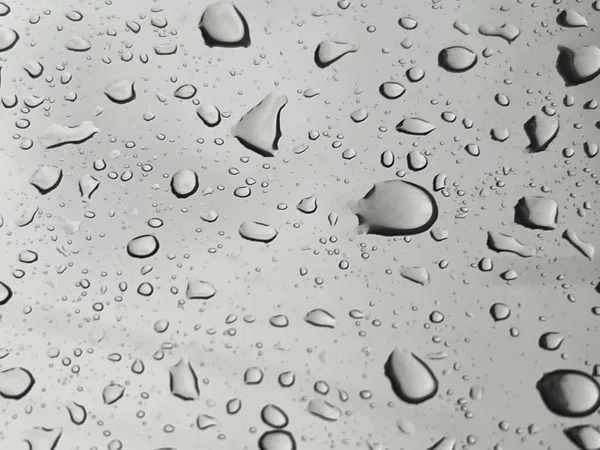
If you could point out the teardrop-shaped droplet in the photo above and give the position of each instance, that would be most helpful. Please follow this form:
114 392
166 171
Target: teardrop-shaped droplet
77 413
209 114
320 318
328 52
143 246
569 393
260 128
223 25
391 90
551 341
307 205
412 380
185 91
396 207
572 19
457 59
585 437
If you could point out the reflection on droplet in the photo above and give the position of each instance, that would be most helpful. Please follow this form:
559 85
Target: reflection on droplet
396 207
328 52
412 380
569 393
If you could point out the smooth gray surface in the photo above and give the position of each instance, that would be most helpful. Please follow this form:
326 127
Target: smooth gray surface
72 297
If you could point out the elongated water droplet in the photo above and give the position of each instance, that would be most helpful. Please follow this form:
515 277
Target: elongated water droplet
185 91
500 242
585 248
209 114
184 382
320 318
572 19
78 44
412 380
328 52
57 135
324 409
257 231
506 31
415 126
16 383
396 207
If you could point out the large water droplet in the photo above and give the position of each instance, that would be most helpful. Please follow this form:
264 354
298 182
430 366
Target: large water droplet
541 130
15 383
396 207
78 44
184 183
274 416
457 59
277 440
260 128
585 437
324 409
184 382
120 91
415 126
46 178
328 52
320 318
112 393
5 293
537 212
391 90
506 31
223 25
569 393
501 242
77 413
412 380
8 39
200 290
143 246
257 231
570 18
578 65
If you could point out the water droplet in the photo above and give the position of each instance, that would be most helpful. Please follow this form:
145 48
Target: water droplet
412 380
5 293
551 341
223 25
585 437
320 318
396 207
570 18
143 246
457 59
112 393
499 312
257 231
537 212
417 274
328 52
204 421
46 178
120 91
260 129
184 382
578 65
77 413
277 440
200 290
569 393
324 410
307 205
184 183
500 242
541 131
506 31
78 44
391 90
274 416
185 91
57 135
8 39
16 383
253 375
585 248
415 126
209 114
